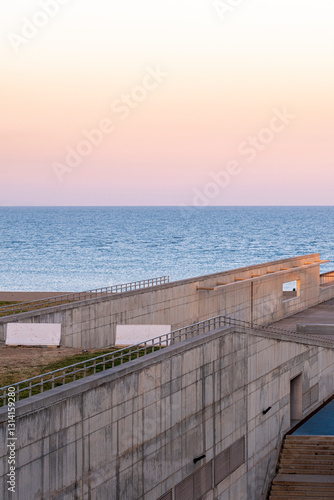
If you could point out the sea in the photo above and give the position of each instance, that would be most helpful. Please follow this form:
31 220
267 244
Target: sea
64 249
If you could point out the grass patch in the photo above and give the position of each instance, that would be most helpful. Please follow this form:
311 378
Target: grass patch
34 306
17 371
77 358
6 304
91 367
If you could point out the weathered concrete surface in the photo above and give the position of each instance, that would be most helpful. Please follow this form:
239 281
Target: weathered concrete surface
316 329
252 294
319 314
132 432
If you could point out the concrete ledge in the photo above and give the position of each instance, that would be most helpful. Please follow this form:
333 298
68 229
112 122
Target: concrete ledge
315 329
300 338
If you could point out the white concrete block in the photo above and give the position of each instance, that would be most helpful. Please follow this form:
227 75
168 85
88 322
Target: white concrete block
33 334
135 334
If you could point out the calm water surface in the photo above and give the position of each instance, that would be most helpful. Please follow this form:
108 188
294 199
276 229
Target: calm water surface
79 248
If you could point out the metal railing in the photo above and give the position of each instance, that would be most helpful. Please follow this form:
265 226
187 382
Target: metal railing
50 380
327 278
76 296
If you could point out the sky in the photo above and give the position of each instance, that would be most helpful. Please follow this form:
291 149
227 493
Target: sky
184 102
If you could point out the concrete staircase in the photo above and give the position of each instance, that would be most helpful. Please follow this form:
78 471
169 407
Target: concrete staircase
305 469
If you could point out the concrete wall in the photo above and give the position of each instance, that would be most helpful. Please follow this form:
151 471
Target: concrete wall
326 293
92 323
132 432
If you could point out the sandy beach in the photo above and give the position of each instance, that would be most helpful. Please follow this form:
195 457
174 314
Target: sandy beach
27 296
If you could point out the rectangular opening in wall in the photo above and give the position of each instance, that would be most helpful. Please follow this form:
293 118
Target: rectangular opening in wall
291 289
296 399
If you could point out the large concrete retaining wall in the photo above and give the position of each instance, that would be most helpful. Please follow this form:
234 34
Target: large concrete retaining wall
92 323
133 432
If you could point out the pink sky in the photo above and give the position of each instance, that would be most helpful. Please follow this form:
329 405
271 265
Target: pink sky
201 85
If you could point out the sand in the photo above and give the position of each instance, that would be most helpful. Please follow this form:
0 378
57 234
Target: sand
27 296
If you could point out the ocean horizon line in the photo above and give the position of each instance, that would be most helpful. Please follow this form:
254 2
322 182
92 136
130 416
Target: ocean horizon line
164 206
